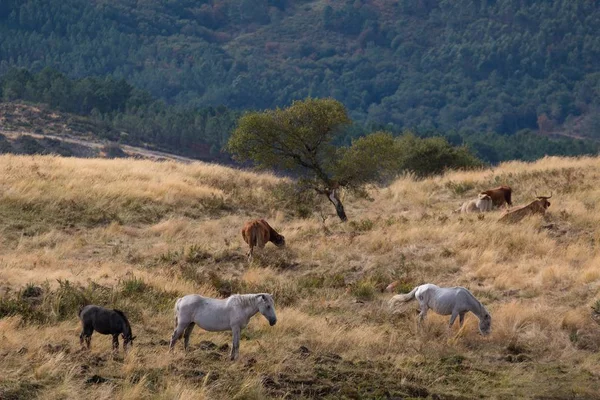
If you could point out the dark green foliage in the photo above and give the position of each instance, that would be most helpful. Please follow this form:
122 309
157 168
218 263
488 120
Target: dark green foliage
54 305
120 113
141 292
301 201
28 145
476 67
300 139
113 150
431 156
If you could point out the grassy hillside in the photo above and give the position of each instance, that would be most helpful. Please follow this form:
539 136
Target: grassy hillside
138 234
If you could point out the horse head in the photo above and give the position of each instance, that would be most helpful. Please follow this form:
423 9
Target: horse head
485 324
128 340
266 306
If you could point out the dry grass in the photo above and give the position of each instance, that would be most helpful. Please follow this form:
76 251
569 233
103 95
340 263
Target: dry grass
137 234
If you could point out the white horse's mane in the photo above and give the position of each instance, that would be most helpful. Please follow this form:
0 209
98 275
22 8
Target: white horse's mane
482 309
244 300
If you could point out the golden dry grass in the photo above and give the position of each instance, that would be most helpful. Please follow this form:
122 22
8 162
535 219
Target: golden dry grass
137 234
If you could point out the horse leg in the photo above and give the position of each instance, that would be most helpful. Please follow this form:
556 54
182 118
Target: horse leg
115 342
177 334
461 318
452 319
235 348
186 335
87 336
422 316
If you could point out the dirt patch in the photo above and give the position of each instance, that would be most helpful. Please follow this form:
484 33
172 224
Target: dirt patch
332 377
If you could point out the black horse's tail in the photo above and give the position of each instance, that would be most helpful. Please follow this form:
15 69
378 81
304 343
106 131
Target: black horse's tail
80 310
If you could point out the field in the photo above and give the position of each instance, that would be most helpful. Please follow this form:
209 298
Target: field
137 234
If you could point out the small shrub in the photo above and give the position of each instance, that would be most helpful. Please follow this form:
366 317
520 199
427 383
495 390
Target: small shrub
596 307
311 281
364 290
215 203
459 188
64 302
133 286
225 287
31 290
113 150
299 200
171 257
29 145
196 254
10 307
285 293
280 259
336 281
364 225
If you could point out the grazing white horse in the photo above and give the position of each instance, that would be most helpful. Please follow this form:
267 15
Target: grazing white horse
454 301
216 315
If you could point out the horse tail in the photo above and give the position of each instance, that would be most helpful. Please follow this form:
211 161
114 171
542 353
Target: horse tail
403 298
79 310
177 312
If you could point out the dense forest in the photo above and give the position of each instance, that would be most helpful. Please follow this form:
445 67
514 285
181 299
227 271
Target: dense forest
501 76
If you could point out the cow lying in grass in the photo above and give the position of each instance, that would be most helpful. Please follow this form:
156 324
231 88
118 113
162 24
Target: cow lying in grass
516 214
500 196
482 204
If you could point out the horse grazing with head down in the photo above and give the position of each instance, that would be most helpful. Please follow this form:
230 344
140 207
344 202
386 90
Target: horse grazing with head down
216 315
107 322
257 233
453 301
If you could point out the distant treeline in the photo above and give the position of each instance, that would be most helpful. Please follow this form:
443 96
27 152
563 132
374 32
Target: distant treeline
129 115
481 65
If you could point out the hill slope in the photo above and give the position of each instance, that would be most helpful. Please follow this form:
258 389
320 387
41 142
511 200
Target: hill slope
499 66
138 234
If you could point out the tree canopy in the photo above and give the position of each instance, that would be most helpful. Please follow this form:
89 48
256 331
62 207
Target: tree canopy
300 139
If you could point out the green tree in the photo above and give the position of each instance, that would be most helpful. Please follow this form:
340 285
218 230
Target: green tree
299 139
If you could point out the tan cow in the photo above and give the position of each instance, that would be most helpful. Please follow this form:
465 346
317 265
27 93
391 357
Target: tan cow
516 214
482 204
257 233
500 195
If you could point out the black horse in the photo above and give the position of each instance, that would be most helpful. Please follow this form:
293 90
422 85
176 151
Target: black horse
107 322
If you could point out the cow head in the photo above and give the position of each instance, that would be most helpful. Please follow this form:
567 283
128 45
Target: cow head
543 201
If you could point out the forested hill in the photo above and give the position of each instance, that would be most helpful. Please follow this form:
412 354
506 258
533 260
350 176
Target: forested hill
470 66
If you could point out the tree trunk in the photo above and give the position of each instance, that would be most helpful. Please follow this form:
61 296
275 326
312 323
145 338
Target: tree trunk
332 196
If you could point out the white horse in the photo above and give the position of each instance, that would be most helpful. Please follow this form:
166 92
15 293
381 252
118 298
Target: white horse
216 315
454 301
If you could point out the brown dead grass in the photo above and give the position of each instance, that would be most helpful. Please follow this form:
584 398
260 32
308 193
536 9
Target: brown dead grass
176 227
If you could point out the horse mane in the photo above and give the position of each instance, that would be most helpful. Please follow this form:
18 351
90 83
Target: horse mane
245 300
482 308
124 318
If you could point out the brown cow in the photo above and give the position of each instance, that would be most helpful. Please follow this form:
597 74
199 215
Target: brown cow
500 195
257 233
538 206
